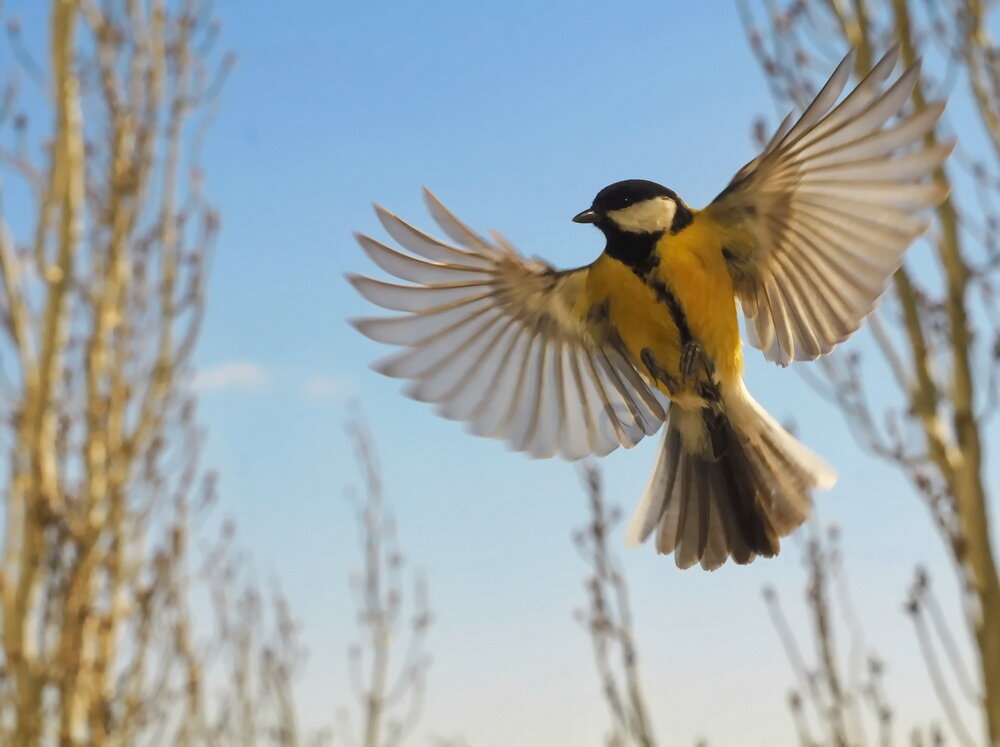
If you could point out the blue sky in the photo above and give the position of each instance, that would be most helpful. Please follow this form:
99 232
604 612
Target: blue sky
515 114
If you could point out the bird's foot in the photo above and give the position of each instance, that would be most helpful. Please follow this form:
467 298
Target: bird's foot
694 360
658 373
697 368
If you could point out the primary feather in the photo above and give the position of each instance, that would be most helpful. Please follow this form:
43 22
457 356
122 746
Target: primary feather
820 220
511 347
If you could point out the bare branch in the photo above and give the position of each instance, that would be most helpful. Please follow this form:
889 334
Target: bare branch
105 492
608 619
391 698
941 351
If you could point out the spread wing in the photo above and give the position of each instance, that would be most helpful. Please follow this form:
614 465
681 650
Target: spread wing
514 348
822 217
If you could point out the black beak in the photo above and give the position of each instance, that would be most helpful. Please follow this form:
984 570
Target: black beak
587 216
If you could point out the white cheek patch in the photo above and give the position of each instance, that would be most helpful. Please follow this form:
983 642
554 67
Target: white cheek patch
648 216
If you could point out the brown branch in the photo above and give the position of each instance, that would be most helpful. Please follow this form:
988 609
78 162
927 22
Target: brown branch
609 621
941 688
823 693
391 698
938 375
99 642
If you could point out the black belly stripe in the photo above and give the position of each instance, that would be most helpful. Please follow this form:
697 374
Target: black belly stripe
638 253
666 296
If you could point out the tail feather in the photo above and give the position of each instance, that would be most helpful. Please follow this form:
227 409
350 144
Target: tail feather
651 509
728 482
749 529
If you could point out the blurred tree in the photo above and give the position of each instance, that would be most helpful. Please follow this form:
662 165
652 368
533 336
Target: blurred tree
390 695
837 700
937 334
104 241
608 620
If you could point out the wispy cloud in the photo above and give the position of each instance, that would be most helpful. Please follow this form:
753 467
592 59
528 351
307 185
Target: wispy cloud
328 388
241 376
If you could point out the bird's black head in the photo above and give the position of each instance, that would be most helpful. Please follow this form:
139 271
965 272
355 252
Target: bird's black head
636 206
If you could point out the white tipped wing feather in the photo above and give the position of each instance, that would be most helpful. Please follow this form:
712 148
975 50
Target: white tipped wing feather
510 347
827 211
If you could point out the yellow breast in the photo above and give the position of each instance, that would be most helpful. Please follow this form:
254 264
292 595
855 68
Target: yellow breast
692 267
637 314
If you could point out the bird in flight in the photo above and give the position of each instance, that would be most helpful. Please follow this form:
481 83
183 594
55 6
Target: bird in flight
805 238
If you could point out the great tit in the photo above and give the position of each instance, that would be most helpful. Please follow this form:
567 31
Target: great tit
577 362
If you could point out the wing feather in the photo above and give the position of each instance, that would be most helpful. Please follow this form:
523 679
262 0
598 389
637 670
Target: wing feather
427 246
412 269
397 297
820 220
508 346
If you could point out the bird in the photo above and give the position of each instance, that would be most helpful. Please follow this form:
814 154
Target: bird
803 241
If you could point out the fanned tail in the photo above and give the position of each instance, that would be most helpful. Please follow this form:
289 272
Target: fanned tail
729 481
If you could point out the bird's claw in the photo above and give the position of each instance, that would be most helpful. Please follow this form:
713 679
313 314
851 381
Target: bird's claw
692 358
694 362
658 373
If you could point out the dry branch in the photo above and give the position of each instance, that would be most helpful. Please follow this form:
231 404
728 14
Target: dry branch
100 305
390 694
608 619
936 336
